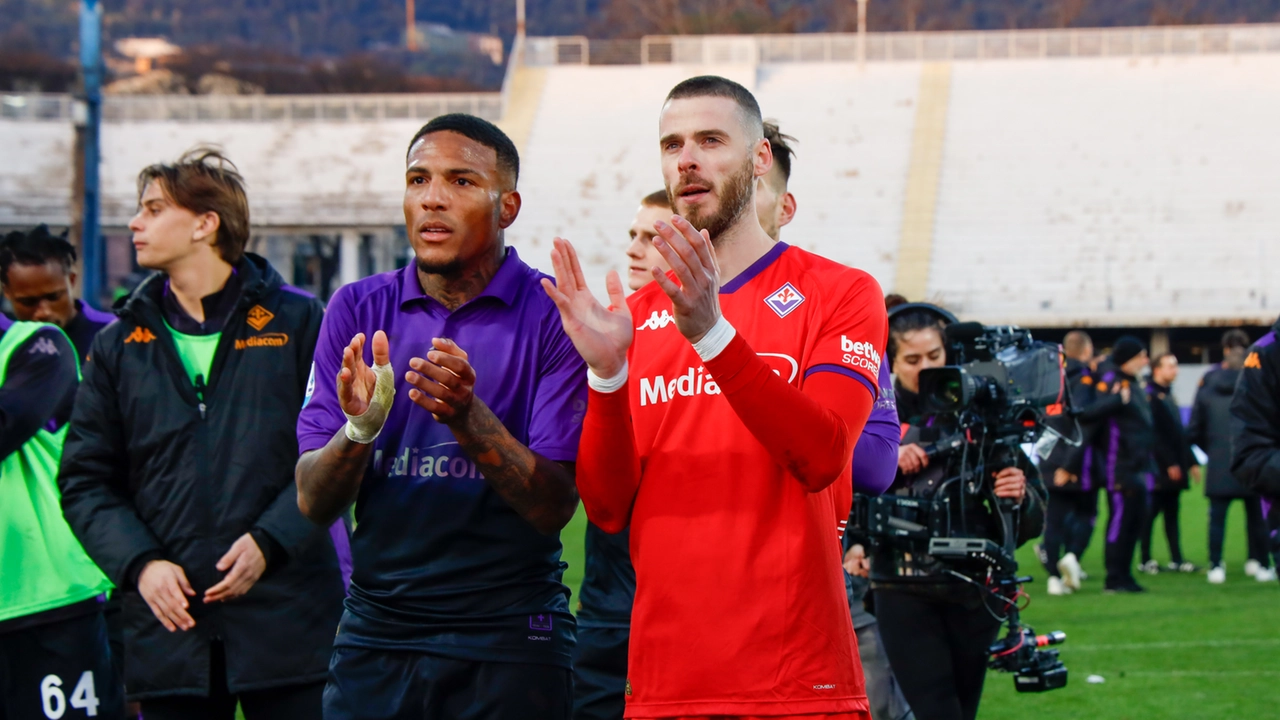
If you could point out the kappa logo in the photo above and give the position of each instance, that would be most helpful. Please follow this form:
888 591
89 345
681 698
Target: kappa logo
1253 361
43 346
784 300
656 321
259 317
140 335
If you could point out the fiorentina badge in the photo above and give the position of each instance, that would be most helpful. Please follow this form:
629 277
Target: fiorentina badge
784 300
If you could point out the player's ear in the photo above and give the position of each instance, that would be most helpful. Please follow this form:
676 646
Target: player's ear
508 208
788 210
761 158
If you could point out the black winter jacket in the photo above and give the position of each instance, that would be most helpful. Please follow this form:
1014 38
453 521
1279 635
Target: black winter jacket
1255 419
153 467
1125 438
1210 428
1171 447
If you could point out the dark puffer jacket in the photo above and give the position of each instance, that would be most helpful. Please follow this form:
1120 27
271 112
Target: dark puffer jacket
1210 429
156 467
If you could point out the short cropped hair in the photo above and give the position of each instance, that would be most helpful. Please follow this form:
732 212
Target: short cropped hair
36 246
481 131
203 180
782 150
1235 338
1161 357
716 86
1074 343
658 199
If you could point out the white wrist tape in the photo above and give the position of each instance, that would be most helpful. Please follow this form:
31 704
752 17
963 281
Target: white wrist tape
607 385
366 427
716 340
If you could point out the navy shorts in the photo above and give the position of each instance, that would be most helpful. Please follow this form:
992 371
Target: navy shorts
60 669
600 673
369 684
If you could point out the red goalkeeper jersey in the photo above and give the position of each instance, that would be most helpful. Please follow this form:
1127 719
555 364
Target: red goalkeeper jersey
740 604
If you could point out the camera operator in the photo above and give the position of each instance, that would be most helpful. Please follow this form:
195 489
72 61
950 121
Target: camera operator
937 625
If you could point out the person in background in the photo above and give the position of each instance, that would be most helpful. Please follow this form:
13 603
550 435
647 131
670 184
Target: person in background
1255 431
178 470
1122 455
36 269
54 653
1173 465
875 457
609 580
1072 489
654 208
1210 429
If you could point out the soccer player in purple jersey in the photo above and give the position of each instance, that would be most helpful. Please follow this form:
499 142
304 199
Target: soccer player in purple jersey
460 461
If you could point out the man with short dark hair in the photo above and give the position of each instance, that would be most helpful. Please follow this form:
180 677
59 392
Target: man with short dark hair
778 352
37 271
178 470
454 429
1173 458
1211 429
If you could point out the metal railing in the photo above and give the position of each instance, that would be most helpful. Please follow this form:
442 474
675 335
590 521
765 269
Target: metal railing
881 47
254 108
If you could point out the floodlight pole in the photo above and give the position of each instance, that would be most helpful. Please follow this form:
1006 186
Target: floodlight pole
410 31
862 34
92 278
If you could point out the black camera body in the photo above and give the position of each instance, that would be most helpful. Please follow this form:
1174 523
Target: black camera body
1034 669
996 396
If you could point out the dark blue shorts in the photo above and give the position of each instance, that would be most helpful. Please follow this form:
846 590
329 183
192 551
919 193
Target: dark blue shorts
600 673
60 669
399 685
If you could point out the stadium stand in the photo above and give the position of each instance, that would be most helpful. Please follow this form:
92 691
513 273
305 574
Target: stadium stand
1044 178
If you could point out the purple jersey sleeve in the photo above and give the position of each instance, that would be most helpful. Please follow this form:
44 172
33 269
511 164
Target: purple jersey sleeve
875 457
321 416
560 401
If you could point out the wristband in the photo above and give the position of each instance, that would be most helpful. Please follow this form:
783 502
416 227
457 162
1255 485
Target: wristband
607 385
366 427
716 340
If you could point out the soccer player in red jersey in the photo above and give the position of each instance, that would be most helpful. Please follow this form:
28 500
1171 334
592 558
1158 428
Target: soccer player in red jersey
726 399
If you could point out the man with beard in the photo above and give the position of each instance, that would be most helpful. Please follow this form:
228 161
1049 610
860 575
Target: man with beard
456 609
755 368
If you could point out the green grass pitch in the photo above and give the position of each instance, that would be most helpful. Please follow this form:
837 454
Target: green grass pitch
1186 649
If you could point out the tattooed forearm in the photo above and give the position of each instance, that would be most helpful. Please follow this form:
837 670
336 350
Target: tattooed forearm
329 478
541 490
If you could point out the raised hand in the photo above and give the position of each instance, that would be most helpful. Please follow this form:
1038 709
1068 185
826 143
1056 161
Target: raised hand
356 379
696 299
601 335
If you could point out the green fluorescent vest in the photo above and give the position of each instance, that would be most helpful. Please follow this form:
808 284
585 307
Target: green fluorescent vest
42 564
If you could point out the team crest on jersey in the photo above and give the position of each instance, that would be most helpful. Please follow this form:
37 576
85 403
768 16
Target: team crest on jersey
784 300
